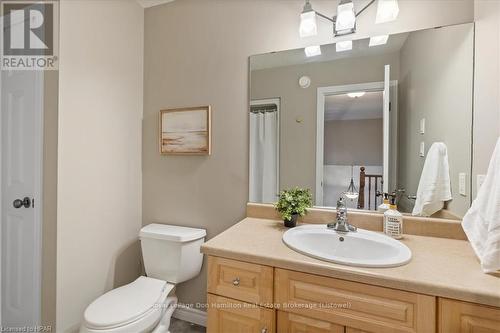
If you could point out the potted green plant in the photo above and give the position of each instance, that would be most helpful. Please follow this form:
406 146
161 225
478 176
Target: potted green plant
293 203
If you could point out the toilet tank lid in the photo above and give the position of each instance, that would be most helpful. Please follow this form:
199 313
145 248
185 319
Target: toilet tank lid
172 233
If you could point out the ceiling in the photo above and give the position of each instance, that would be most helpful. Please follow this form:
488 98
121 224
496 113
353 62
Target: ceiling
151 3
343 107
360 48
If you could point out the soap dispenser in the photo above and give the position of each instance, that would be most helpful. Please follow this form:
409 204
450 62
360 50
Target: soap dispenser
393 221
384 206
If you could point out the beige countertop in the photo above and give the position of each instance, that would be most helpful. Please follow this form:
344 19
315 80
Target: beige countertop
439 266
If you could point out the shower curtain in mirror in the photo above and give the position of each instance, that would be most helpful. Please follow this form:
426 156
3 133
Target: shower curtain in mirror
263 156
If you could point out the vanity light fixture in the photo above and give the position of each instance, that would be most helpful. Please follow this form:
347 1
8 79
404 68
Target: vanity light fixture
308 26
352 192
378 40
356 94
387 11
344 22
312 51
345 45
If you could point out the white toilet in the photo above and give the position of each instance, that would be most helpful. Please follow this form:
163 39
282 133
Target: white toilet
171 255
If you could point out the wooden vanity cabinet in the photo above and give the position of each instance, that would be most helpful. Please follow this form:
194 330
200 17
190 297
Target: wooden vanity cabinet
253 298
463 317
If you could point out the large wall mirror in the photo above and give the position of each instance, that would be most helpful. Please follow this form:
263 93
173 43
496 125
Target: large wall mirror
388 114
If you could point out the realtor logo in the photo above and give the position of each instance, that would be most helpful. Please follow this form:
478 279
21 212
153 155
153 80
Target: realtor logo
29 35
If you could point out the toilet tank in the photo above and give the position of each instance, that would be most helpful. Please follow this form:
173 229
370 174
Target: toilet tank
171 253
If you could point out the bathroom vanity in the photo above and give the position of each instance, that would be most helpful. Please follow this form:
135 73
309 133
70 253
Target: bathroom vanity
310 106
257 284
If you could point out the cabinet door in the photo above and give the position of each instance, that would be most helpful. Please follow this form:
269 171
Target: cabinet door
230 316
462 317
293 323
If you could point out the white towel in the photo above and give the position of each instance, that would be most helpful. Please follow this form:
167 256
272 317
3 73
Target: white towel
482 222
434 186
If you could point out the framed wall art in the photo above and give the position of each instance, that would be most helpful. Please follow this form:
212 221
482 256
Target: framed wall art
185 131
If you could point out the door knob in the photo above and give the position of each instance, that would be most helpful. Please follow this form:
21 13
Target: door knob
26 202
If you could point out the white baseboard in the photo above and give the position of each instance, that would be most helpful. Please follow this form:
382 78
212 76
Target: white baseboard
191 315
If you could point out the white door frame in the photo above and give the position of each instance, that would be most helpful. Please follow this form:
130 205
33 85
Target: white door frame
1 192
277 101
322 92
37 194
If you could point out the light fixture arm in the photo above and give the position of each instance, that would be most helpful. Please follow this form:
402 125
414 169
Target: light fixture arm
333 19
325 17
308 7
365 7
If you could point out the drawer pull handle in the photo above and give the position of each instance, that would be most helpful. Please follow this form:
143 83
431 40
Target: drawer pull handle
264 330
236 281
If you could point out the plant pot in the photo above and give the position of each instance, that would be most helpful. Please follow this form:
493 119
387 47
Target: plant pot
292 222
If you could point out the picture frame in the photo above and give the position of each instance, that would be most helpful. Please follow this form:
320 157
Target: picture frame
185 131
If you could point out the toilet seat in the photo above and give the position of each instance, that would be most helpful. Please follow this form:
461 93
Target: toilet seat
136 304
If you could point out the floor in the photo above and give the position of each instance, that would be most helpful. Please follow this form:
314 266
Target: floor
181 326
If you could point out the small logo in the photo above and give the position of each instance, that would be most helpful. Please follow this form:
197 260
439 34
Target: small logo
29 35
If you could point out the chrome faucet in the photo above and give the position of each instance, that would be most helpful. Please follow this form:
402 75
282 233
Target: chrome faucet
341 223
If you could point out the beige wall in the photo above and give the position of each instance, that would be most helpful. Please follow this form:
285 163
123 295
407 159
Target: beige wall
354 142
299 138
99 153
196 52
486 84
436 84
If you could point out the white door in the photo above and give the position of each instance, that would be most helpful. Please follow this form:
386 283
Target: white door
21 147
386 126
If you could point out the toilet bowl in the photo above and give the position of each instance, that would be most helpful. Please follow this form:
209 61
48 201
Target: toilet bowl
171 255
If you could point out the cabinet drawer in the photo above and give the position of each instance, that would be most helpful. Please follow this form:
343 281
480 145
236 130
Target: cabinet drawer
356 305
293 323
240 280
462 317
229 316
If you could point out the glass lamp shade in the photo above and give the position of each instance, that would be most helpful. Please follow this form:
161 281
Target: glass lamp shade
387 11
346 18
308 26
352 192
378 40
345 45
312 51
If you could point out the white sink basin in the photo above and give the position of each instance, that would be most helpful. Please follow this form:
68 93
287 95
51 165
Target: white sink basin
360 248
